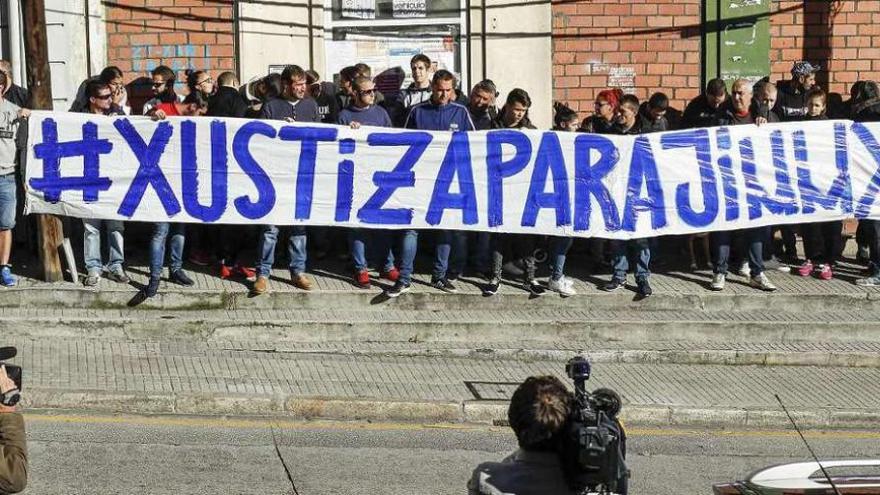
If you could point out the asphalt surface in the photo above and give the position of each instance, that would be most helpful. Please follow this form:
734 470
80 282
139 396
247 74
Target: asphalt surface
73 453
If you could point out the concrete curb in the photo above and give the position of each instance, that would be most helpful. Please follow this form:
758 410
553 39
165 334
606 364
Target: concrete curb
218 328
487 412
69 296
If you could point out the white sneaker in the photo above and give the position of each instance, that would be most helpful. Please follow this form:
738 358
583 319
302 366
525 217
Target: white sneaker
744 270
718 281
564 286
762 282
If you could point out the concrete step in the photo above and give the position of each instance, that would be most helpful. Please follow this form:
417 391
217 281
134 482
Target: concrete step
526 326
673 290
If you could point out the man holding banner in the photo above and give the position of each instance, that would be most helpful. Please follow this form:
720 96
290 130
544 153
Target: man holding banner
293 106
738 112
440 113
364 111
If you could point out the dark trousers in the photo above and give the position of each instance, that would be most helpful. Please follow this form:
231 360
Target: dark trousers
513 246
823 241
750 241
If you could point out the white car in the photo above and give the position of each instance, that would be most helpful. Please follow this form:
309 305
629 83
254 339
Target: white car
851 477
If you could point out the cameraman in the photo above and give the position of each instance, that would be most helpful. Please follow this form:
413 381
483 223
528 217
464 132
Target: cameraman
13 450
538 414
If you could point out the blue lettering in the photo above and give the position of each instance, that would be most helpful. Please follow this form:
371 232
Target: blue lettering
728 180
499 169
345 182
148 172
699 140
548 160
52 184
263 184
643 171
190 171
401 176
841 189
457 162
756 195
305 172
863 209
588 181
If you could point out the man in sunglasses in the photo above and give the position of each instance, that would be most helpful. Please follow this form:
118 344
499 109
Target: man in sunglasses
364 111
100 101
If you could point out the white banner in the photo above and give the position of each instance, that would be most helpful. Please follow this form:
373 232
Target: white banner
568 184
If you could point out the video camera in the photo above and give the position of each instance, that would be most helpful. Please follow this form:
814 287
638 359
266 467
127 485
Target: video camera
593 451
12 397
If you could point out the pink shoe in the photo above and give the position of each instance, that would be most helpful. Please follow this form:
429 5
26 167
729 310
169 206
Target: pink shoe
825 272
806 269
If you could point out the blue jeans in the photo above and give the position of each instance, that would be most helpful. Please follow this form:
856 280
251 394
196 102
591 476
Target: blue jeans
157 247
408 248
92 245
380 243
445 241
750 240
559 247
8 201
296 250
620 259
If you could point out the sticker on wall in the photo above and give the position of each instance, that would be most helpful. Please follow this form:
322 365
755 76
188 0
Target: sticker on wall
410 8
359 9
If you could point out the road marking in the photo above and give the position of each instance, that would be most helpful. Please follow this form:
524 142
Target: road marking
285 424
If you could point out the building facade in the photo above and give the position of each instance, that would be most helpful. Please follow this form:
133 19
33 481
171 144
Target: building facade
565 50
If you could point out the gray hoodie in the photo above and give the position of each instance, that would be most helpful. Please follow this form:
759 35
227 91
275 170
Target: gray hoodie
9 122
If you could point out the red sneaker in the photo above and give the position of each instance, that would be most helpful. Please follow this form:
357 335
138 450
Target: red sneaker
246 272
392 274
806 269
362 279
825 272
225 272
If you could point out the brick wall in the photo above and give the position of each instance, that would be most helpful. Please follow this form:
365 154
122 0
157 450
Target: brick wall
842 36
654 45
182 34
640 45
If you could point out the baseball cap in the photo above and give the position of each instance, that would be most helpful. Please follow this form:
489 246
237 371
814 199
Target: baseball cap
803 68
7 353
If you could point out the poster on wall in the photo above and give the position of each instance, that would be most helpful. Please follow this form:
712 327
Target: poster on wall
383 53
410 8
359 9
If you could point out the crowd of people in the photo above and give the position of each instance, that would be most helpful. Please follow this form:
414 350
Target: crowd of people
434 101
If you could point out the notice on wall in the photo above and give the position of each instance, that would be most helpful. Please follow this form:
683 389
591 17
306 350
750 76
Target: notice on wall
359 9
410 8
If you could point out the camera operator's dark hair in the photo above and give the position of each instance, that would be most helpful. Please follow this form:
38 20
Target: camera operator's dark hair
539 410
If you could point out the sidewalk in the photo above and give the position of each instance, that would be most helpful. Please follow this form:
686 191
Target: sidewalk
369 382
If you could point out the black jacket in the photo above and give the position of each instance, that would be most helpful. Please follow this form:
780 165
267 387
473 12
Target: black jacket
227 102
597 125
791 104
698 113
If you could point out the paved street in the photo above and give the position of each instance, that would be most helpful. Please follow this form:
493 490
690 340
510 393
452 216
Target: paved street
197 455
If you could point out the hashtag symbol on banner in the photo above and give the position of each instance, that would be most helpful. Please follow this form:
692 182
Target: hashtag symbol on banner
52 184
